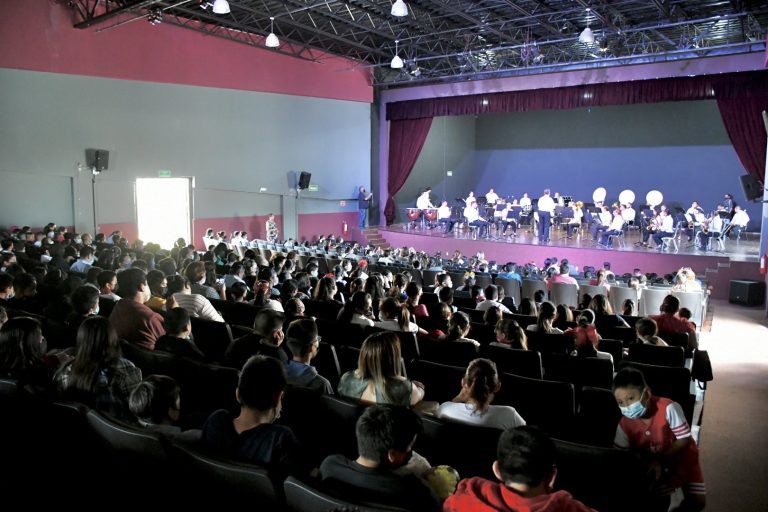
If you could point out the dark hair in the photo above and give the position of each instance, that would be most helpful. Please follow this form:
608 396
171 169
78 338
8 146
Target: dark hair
267 320
482 379
92 276
525 455
547 314
629 378
195 271
105 277
176 284
21 350
456 325
6 281
151 399
646 327
154 280
176 321
84 299
238 290
513 333
600 305
586 317
538 296
167 265
300 336
492 315
324 289
445 295
129 281
384 427
98 348
262 379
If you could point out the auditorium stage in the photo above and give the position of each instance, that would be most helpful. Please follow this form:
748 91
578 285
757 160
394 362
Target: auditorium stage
739 260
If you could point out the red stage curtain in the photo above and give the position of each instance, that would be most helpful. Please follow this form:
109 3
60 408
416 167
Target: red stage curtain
406 138
741 108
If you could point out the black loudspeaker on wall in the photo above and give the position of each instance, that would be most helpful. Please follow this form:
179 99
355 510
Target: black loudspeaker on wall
97 159
748 293
751 187
304 180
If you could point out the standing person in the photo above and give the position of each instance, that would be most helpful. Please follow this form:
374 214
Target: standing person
363 203
491 197
272 231
546 206
423 202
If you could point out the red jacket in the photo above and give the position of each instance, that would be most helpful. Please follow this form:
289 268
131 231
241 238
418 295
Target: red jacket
480 495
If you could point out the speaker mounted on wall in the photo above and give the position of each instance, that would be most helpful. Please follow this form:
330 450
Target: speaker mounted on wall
304 178
97 159
753 191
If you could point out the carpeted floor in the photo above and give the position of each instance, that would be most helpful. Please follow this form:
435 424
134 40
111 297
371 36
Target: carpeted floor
734 433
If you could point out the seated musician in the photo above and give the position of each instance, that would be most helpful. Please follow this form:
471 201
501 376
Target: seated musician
511 217
525 200
629 213
474 219
617 224
603 221
666 228
739 221
444 217
578 214
695 216
710 228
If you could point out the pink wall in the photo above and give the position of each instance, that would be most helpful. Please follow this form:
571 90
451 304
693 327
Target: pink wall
40 36
130 229
313 224
255 226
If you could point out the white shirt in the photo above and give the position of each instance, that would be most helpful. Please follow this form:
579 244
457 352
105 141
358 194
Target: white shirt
525 201
617 223
423 202
471 214
488 304
606 218
470 198
495 416
667 224
393 325
444 212
197 306
491 197
546 204
628 214
577 216
740 219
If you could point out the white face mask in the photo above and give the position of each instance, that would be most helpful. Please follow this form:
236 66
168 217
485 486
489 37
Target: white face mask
50 234
44 258
78 241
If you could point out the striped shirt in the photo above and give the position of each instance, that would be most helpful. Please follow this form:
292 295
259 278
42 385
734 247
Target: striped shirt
197 306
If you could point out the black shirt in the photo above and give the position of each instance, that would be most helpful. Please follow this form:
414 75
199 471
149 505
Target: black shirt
179 347
241 349
362 202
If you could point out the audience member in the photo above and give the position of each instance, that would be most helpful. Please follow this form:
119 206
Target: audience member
646 331
132 320
196 305
510 334
266 339
304 343
156 404
178 335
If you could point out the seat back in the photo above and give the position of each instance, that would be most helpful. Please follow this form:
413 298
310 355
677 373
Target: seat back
483 333
428 277
321 309
511 289
579 371
564 293
530 286
547 404
212 338
302 497
475 315
236 313
206 476
619 294
597 417
591 290
483 280
660 356
549 343
526 363
694 301
456 353
613 347
326 362
441 382
651 301
672 383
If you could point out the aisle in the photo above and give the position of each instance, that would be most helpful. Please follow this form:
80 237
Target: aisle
734 435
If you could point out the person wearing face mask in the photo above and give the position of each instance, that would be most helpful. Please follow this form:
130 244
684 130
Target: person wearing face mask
85 262
252 436
133 321
6 288
265 340
656 427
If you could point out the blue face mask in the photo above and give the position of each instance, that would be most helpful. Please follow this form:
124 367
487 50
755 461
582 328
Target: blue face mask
96 311
634 410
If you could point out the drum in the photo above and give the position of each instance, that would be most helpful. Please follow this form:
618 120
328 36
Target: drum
413 213
430 214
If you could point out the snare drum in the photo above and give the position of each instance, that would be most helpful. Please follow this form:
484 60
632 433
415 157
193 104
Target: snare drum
413 213
430 214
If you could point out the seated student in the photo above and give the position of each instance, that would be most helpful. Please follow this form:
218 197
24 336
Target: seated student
491 294
385 438
252 436
472 405
158 286
178 336
510 334
156 404
107 282
195 304
547 316
585 335
237 292
358 310
304 344
395 317
656 428
132 320
646 331
266 339
525 467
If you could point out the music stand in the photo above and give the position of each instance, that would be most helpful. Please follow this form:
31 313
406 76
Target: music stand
566 215
567 200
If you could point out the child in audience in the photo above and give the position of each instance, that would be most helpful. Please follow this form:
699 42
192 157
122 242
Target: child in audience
156 403
628 308
646 330
178 336
656 427
458 328
686 314
304 343
586 337
510 334
252 436
547 316
472 406
386 470
525 467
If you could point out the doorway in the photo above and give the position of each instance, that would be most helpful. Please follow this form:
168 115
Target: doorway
163 210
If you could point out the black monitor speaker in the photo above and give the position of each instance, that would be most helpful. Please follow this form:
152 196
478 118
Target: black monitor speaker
751 187
304 180
97 159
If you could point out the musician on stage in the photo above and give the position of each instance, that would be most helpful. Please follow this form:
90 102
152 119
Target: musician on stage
666 228
739 221
525 200
629 213
546 206
578 214
695 216
470 198
423 202
491 197
272 232
710 228
603 221
473 217
649 225
509 218
444 217
617 224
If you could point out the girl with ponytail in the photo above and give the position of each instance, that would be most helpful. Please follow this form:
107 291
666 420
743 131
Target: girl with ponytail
472 406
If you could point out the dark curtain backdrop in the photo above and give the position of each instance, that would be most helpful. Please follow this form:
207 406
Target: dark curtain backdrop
741 98
406 138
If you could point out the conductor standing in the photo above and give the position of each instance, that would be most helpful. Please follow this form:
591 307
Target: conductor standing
363 202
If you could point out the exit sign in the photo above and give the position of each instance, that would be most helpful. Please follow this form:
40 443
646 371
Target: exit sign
312 188
164 173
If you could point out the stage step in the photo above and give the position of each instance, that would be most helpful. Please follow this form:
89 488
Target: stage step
374 237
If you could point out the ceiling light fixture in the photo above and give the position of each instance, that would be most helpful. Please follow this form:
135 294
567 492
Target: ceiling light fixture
397 62
272 40
587 36
399 9
221 7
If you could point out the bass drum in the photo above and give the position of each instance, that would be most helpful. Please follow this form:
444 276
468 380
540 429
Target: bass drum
430 214
413 213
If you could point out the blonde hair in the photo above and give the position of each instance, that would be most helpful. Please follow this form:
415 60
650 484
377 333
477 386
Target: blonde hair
379 361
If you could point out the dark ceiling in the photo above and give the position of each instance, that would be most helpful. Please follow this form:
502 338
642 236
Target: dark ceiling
456 40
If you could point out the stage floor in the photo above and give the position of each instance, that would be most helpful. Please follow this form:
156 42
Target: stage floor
746 249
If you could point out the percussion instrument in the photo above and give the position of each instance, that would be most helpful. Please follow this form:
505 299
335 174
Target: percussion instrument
430 214
413 213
